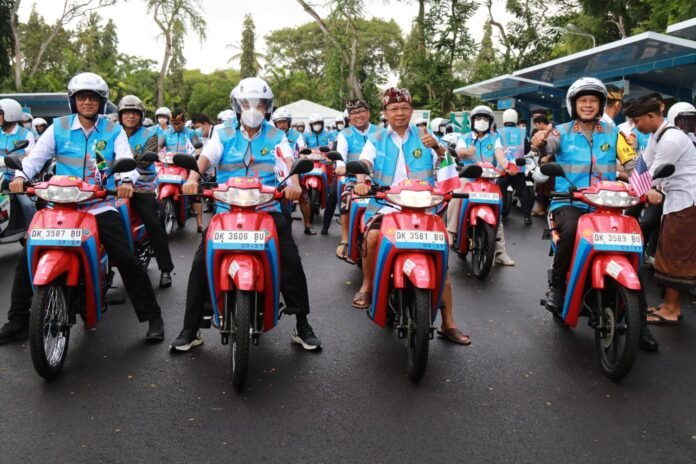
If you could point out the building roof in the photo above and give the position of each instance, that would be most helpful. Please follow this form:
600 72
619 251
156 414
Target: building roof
303 109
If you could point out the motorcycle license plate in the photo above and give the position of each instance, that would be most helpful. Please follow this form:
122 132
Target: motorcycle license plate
170 178
421 239
617 241
56 237
239 239
483 197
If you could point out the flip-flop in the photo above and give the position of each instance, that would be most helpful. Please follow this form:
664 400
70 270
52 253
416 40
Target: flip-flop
363 297
344 248
660 320
654 309
309 231
455 336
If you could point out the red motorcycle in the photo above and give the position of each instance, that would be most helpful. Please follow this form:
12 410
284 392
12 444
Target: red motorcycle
67 265
602 282
170 181
410 266
317 181
242 262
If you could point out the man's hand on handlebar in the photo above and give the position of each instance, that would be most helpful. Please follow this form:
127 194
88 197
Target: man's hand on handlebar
361 188
341 171
190 187
17 185
292 192
125 190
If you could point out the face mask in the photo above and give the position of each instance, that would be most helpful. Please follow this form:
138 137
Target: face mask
339 126
481 125
198 132
252 118
27 125
162 120
316 127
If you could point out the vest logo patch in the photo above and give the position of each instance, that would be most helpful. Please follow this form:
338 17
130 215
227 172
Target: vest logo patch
101 144
137 147
264 151
489 146
604 147
417 153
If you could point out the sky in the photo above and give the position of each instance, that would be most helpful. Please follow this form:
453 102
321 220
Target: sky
138 34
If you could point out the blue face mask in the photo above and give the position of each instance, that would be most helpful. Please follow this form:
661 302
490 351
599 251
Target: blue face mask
198 132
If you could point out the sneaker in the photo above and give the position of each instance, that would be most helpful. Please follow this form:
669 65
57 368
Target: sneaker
527 220
554 300
165 280
504 259
306 337
12 332
187 339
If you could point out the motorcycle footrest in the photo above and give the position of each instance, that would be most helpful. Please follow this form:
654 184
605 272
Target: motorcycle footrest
401 331
255 335
542 302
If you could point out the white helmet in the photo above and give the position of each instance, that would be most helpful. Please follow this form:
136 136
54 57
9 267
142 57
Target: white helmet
39 122
188 123
450 139
538 177
421 121
586 86
680 109
163 111
482 110
315 118
90 82
436 123
225 115
510 116
26 116
282 114
250 92
12 110
147 122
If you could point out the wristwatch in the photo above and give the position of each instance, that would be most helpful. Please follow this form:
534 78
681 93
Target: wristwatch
126 180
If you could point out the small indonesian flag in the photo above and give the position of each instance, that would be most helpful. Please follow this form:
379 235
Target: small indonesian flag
447 177
281 166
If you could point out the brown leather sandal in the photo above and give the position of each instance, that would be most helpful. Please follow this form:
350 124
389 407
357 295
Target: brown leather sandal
362 300
455 336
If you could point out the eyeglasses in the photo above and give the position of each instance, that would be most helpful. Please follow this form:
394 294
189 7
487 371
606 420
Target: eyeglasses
84 96
357 112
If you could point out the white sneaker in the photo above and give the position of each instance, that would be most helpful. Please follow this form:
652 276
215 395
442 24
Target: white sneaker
504 259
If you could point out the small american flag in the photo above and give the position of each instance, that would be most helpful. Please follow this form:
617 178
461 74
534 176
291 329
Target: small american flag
641 179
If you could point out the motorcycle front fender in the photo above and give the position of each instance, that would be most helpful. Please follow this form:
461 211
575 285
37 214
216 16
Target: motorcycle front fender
617 267
54 263
169 190
312 182
417 268
243 272
483 213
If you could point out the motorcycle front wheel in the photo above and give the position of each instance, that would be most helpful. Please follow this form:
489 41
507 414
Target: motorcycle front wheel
418 317
240 315
483 249
313 204
617 339
169 217
49 329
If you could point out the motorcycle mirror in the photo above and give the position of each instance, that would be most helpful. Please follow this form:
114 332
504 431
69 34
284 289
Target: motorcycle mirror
552 170
664 170
357 167
187 162
324 149
19 145
198 145
334 156
301 166
13 162
520 162
123 165
452 151
149 157
471 171
306 151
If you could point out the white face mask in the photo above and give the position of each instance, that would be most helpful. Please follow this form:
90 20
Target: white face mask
162 120
252 118
316 127
481 125
339 126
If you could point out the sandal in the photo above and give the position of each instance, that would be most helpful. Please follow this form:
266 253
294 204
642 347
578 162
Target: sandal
362 300
659 319
343 246
309 231
654 309
455 336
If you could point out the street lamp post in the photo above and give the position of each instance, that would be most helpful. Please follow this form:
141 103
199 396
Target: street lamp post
573 29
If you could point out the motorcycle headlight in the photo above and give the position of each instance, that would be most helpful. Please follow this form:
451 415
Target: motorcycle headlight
242 197
612 199
490 173
411 199
57 194
2 161
315 157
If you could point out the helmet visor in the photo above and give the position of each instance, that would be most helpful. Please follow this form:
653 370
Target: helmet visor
260 104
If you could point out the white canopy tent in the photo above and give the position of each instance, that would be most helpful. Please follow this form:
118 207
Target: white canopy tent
301 110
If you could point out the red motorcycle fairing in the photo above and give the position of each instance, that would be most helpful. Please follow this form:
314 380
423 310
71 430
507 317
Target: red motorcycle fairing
54 263
244 272
416 267
169 190
618 267
484 202
313 182
484 212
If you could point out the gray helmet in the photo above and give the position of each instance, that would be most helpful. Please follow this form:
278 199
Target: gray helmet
90 82
133 103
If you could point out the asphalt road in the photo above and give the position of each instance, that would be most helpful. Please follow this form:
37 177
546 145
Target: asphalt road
524 391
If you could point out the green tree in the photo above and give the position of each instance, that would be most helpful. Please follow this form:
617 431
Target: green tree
175 18
209 93
6 36
248 59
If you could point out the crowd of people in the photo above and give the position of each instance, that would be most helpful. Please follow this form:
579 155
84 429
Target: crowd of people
590 147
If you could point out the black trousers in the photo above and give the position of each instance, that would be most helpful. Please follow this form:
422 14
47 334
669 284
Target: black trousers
134 277
145 204
566 219
293 283
650 219
518 183
331 203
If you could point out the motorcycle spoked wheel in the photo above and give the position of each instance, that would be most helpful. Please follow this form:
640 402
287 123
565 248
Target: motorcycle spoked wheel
145 254
313 204
169 217
617 342
416 305
239 313
482 250
49 329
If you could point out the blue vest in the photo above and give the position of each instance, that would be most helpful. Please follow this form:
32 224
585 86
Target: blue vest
175 142
356 141
583 162
262 161
314 140
7 143
513 138
159 130
147 175
485 148
77 155
417 157
642 140
293 135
